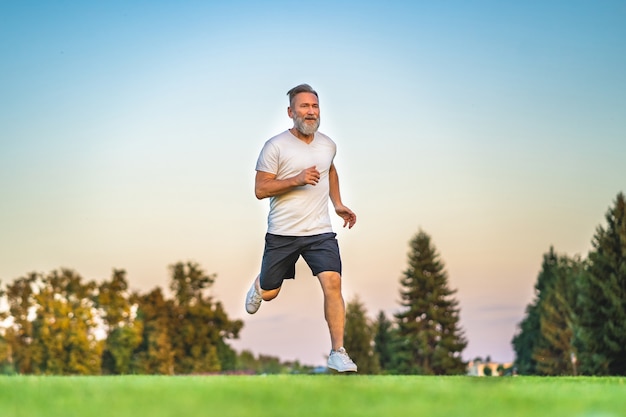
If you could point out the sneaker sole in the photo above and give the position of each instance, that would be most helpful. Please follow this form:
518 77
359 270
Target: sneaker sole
345 370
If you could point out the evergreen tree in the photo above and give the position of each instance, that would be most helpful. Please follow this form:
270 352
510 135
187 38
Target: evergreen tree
554 351
359 338
526 341
428 326
385 342
601 340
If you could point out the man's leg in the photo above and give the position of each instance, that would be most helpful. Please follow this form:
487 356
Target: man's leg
334 307
335 313
256 294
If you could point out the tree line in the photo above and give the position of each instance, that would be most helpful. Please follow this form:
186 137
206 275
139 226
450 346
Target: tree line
58 323
576 323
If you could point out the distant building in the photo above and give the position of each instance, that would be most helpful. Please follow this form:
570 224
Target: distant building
480 368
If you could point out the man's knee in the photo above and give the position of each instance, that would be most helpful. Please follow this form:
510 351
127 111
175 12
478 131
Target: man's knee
330 280
269 295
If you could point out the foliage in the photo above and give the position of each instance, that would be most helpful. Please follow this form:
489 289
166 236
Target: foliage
577 320
123 331
525 339
20 298
385 343
544 341
53 321
428 326
359 338
58 324
199 323
154 355
555 353
6 366
601 339
247 363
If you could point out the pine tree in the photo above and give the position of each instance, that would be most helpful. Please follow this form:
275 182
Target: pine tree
601 341
554 351
428 327
385 341
528 338
525 340
358 339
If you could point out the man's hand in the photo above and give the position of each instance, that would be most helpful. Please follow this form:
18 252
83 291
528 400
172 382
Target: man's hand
309 176
348 216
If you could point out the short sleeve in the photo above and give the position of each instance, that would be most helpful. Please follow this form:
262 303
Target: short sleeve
268 158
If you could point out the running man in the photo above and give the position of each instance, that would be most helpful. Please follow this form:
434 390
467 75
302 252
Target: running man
295 170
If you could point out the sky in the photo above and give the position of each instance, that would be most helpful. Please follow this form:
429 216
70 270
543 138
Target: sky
129 133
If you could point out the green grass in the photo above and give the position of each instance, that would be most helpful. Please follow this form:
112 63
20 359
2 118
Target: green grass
309 395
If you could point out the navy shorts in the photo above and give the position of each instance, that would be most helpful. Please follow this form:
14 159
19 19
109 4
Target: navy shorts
321 253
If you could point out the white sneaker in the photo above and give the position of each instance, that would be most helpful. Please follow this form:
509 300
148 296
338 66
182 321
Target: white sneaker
253 299
340 361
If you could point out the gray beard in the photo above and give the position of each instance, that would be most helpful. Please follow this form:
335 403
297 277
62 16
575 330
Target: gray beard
305 128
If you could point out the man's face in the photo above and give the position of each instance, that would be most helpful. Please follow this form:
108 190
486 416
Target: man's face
305 112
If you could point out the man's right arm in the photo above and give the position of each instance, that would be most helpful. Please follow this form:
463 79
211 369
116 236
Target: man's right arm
266 184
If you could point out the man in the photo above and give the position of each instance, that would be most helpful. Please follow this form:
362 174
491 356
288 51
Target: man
295 170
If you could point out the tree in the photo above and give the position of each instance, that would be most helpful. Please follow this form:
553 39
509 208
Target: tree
155 354
525 339
6 366
558 321
53 320
359 338
529 337
431 338
63 329
247 362
20 296
53 325
385 343
269 365
200 325
601 339
123 332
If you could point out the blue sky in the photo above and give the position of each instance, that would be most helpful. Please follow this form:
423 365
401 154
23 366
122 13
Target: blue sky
129 133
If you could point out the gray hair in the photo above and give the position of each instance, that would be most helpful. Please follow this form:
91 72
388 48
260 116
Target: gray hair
302 88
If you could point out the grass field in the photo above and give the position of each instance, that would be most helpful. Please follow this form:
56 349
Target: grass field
310 395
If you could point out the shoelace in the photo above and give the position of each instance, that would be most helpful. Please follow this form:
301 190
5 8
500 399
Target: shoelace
256 297
344 356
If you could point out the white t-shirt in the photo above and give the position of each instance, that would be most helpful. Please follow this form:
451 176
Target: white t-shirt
303 211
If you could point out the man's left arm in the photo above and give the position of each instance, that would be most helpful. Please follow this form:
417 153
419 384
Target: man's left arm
348 216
